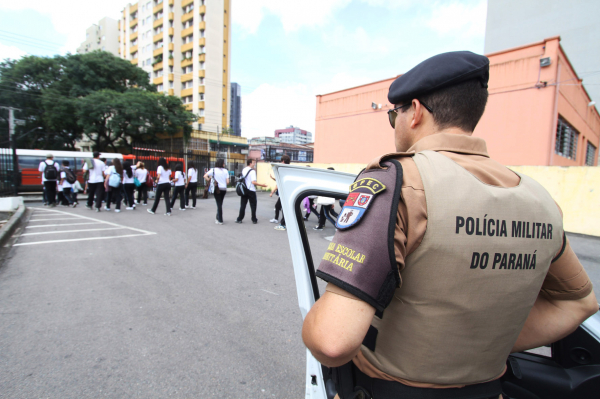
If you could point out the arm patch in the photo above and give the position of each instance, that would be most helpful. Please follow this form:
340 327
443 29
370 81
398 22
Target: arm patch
361 258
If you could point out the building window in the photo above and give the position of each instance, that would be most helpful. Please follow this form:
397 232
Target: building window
201 96
159 87
566 139
201 49
201 112
187 85
189 8
158 73
188 24
187 69
171 84
201 65
170 69
201 81
188 39
590 154
202 33
188 99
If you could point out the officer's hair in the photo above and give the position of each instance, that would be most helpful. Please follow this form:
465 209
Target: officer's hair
460 106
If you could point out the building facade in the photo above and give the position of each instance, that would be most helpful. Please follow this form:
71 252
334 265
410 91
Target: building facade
294 135
235 121
538 113
513 23
185 47
103 36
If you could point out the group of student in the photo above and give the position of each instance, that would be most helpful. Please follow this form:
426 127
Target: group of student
59 181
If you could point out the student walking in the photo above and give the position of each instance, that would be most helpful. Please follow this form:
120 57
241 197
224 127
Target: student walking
249 174
65 175
220 180
114 178
180 184
192 185
128 185
49 171
95 183
163 180
285 159
142 175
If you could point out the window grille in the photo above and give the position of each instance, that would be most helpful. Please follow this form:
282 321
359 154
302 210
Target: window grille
590 154
566 139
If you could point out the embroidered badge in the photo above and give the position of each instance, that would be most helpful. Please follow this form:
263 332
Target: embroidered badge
361 196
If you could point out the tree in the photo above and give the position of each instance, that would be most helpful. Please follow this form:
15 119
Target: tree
95 94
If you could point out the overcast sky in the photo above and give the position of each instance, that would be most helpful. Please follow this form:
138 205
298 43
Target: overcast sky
284 52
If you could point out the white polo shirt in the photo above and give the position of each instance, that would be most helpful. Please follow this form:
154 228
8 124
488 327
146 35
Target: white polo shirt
97 173
250 178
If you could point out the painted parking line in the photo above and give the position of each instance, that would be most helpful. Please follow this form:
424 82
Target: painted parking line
46 220
86 221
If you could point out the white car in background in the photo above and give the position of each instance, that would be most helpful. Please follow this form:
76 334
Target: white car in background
567 369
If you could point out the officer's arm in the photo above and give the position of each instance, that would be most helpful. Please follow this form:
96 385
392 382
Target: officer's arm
335 327
551 320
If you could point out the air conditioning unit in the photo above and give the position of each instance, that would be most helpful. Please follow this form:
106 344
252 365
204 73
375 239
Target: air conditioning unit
544 62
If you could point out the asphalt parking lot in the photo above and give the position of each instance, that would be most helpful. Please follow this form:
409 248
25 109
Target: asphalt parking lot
105 305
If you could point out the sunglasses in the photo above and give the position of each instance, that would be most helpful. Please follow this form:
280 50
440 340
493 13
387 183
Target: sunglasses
393 113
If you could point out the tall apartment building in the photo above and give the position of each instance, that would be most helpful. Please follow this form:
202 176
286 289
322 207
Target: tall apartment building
294 135
185 47
102 36
235 122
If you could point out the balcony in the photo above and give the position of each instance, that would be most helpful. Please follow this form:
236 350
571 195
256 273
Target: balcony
202 41
133 36
157 52
157 23
158 66
185 3
134 61
200 104
171 77
189 106
187 17
133 23
133 49
186 62
201 120
187 47
133 8
157 37
158 8
202 25
171 62
171 16
187 92
187 32
201 73
171 31
158 81
187 77
202 57
201 89
202 10
171 92
171 46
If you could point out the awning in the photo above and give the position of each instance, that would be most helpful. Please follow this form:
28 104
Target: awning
228 143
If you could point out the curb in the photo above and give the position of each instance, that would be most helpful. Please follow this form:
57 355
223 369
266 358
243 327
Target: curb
9 228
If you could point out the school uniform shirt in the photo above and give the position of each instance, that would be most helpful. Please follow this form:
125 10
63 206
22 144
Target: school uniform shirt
221 175
180 176
65 184
97 173
141 175
164 175
193 175
42 167
250 178
127 179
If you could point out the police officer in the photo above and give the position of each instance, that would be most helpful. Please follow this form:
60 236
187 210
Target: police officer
445 261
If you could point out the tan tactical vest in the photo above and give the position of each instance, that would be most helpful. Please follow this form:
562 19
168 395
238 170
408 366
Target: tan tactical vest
468 288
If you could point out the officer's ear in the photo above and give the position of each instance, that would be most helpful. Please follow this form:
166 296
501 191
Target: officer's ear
417 117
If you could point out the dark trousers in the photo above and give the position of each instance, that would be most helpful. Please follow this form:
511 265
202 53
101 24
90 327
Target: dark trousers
193 187
313 209
160 189
114 195
142 193
278 208
50 187
327 213
219 199
179 191
129 187
68 195
96 189
249 197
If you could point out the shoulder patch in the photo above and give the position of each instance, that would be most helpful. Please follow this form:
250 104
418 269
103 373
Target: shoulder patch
362 193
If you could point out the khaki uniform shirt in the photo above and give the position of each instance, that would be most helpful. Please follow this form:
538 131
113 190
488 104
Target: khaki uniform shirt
566 278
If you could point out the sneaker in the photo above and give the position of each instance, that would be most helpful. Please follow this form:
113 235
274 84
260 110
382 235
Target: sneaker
150 211
318 228
217 222
305 218
280 227
145 203
182 209
45 204
136 201
52 205
88 207
130 208
74 205
274 220
168 214
187 206
238 221
193 207
117 210
97 209
254 221
107 209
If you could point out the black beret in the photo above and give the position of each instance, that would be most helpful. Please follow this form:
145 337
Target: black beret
439 71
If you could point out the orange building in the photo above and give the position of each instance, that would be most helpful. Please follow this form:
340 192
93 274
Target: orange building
538 113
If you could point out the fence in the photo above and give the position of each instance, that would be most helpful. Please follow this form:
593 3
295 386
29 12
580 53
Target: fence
7 187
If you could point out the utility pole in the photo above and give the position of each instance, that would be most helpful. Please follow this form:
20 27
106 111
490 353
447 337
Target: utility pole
13 146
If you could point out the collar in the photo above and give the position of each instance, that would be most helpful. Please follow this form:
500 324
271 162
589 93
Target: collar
458 143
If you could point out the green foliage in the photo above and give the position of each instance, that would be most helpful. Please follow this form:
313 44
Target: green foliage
98 95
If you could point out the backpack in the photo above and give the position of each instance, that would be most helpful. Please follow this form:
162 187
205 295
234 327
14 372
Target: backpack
240 187
50 172
70 175
114 180
90 163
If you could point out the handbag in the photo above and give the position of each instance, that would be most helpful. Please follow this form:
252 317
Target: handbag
136 181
